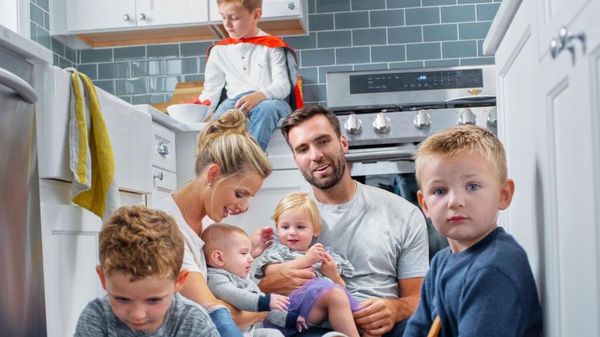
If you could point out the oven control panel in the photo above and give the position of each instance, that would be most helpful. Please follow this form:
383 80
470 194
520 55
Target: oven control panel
416 80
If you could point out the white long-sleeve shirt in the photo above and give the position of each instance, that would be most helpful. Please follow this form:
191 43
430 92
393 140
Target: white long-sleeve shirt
244 67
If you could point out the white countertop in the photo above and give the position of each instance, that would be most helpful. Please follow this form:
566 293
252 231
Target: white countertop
23 47
504 16
168 121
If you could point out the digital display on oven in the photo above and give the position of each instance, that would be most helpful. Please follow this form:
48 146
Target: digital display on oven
415 81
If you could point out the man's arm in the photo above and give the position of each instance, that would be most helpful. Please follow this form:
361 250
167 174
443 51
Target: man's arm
286 281
379 315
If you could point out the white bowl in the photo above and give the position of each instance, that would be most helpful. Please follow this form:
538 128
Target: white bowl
188 113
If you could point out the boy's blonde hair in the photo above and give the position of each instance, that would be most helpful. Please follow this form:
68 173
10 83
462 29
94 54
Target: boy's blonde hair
250 5
299 201
217 236
225 142
463 139
140 242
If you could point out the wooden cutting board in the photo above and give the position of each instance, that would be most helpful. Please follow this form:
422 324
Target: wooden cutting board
184 91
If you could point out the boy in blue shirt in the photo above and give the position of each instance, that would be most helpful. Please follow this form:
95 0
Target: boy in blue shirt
482 285
258 71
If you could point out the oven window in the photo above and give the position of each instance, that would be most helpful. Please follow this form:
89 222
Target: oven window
405 185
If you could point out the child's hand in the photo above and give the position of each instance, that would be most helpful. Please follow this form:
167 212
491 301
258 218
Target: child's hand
301 323
278 302
315 254
248 102
328 267
261 239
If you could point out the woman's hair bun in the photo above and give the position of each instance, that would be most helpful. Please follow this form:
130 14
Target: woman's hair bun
233 120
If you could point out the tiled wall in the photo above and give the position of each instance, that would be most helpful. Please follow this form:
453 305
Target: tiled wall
39 15
344 35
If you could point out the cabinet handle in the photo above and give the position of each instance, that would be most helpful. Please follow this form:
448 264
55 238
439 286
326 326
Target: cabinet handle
126 17
142 17
565 41
162 149
159 176
291 6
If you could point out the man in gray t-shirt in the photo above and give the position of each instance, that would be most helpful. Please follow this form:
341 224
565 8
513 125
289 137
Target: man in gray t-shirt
381 234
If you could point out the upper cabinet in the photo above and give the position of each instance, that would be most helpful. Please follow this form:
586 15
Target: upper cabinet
91 15
109 23
279 17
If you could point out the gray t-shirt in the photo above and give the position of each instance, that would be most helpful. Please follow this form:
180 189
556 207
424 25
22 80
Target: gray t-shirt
184 318
382 234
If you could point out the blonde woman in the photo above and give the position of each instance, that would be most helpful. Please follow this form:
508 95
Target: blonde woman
230 169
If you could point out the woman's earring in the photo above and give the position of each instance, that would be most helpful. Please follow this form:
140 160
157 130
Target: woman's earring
208 184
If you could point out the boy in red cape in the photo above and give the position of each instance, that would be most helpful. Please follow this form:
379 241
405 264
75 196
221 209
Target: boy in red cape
258 71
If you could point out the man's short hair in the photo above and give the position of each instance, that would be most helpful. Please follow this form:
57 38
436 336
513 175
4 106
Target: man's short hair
139 242
307 112
250 5
463 139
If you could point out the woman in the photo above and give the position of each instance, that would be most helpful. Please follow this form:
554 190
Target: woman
230 168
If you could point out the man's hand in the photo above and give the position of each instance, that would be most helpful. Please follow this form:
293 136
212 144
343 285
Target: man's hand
315 253
377 316
278 302
286 281
248 102
261 239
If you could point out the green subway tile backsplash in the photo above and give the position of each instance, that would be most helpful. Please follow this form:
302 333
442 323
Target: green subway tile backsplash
344 35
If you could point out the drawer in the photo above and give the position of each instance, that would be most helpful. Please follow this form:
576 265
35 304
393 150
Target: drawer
163 148
165 183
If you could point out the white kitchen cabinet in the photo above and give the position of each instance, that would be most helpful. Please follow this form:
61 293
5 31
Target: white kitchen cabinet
279 17
164 164
290 9
92 15
549 117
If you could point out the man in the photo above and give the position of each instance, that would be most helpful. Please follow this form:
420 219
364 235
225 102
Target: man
381 234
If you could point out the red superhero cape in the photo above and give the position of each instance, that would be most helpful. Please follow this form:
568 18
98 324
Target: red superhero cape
271 41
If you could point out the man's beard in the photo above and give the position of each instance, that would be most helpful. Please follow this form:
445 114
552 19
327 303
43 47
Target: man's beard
328 182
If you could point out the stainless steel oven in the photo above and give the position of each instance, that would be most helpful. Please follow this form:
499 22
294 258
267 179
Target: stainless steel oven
385 115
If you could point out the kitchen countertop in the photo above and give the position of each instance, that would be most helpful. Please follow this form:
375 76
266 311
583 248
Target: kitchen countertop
23 47
504 16
168 121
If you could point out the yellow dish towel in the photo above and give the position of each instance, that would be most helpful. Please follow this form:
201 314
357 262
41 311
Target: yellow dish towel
91 155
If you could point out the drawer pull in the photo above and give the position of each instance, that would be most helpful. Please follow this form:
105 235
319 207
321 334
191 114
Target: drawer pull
162 149
159 176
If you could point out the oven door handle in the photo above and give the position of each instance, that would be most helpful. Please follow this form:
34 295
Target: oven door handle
399 152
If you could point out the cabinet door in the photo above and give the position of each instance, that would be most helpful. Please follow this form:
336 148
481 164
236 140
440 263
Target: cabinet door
553 14
271 9
518 115
569 147
93 14
165 183
282 8
172 12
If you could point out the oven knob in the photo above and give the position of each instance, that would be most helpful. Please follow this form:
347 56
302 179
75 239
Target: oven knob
382 124
492 117
353 125
422 120
467 117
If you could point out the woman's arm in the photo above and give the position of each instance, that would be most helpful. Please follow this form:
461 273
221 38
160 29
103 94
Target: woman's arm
196 289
